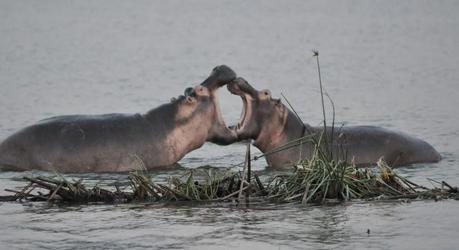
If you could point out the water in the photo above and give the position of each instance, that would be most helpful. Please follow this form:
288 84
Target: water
385 63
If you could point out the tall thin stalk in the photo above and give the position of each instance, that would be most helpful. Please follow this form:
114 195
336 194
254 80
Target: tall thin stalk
316 55
328 150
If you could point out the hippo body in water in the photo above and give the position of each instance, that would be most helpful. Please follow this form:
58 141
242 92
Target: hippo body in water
271 124
114 142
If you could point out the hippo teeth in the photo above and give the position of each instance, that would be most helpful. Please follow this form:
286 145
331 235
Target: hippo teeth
243 113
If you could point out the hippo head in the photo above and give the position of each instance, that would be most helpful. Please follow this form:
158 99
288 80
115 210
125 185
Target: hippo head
198 110
263 117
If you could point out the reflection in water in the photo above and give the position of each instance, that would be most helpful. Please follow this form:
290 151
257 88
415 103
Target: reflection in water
218 225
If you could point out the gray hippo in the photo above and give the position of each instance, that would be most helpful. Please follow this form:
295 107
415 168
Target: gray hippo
114 142
271 124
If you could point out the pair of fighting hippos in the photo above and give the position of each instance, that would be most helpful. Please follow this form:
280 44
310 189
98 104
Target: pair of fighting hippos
162 136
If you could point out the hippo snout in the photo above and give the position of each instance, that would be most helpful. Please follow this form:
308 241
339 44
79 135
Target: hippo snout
233 88
220 76
224 73
240 86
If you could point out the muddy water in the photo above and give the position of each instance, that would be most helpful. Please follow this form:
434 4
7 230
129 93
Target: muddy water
385 63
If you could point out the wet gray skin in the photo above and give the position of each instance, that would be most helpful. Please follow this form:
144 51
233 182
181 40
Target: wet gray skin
271 124
116 142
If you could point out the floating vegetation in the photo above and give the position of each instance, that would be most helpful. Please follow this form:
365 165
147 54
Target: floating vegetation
312 182
195 185
318 182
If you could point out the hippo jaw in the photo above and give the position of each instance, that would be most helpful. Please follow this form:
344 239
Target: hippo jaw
263 118
246 106
219 133
248 126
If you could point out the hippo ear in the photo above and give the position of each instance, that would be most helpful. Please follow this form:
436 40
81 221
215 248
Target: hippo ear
173 99
265 94
190 99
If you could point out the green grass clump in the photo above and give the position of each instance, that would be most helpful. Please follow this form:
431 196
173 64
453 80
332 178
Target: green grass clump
205 184
318 180
322 178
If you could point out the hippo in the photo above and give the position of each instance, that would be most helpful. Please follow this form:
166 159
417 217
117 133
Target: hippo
114 142
271 124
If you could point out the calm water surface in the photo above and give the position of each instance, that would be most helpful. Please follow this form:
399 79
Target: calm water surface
386 63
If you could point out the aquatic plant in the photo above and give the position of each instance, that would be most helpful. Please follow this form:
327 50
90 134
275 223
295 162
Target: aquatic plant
207 184
319 181
314 181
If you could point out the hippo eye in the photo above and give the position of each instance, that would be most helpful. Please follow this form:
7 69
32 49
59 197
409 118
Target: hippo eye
266 93
188 91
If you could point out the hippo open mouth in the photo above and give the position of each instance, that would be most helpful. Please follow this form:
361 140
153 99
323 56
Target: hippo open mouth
220 76
206 93
247 93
